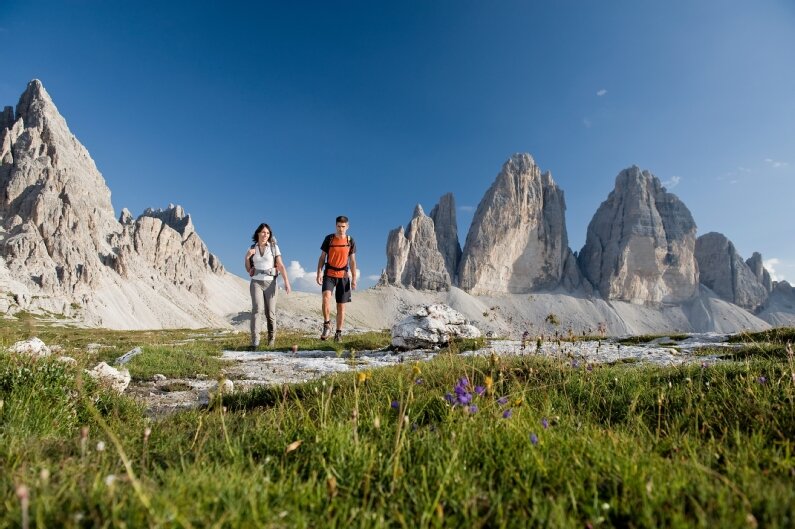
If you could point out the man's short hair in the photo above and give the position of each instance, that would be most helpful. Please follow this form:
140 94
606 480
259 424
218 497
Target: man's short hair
342 218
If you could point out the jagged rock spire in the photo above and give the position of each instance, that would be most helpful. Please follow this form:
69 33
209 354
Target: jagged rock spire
413 255
446 227
517 242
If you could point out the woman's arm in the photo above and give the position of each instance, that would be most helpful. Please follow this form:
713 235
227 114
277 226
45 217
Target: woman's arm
247 262
283 272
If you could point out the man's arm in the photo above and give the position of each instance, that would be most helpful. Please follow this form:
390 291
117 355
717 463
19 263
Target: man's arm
352 260
320 262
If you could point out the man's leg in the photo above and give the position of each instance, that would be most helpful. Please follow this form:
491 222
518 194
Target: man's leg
326 308
326 305
340 316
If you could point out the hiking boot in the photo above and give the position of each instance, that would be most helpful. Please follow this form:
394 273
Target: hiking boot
338 336
326 330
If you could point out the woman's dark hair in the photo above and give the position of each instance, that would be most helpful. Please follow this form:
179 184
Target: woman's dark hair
261 227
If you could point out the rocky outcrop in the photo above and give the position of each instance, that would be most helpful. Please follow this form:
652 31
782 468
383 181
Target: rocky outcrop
640 243
779 308
723 271
62 249
54 205
432 326
758 268
445 226
517 242
413 257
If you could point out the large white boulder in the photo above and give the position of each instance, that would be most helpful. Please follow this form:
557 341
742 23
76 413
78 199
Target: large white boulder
116 379
432 326
32 347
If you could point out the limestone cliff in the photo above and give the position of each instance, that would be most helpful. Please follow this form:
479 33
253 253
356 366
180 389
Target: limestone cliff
517 242
640 243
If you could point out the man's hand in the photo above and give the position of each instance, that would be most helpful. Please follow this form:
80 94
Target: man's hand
319 279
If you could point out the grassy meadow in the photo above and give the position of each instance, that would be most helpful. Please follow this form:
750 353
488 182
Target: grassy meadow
454 442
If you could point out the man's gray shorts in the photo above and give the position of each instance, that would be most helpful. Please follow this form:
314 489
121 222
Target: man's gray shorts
341 287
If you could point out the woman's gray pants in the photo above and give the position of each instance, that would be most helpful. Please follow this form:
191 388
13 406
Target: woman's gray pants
262 293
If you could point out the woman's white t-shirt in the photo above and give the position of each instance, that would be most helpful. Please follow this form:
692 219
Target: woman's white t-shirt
265 261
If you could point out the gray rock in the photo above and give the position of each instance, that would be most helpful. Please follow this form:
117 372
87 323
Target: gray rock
640 243
517 242
431 326
445 226
129 355
157 377
126 217
722 270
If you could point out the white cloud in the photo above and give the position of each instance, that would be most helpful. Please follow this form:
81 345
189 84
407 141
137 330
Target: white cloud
776 164
601 92
672 182
300 279
374 277
771 265
304 281
466 209
587 122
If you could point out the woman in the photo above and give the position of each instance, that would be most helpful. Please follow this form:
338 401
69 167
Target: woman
264 264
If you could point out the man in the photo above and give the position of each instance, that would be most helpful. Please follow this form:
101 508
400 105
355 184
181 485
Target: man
336 271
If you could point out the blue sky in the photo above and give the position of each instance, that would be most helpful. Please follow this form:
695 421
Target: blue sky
295 112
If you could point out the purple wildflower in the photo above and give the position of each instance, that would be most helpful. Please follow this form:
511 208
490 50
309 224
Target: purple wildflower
480 390
534 438
545 423
466 398
449 398
575 364
472 409
761 380
507 414
502 401
395 405
419 381
589 367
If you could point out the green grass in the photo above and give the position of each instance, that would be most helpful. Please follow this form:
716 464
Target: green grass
777 335
646 338
625 445
174 352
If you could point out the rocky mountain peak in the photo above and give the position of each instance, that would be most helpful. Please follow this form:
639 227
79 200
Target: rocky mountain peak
517 242
418 211
724 272
62 246
640 243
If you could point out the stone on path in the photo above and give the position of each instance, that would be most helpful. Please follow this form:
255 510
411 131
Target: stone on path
432 326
